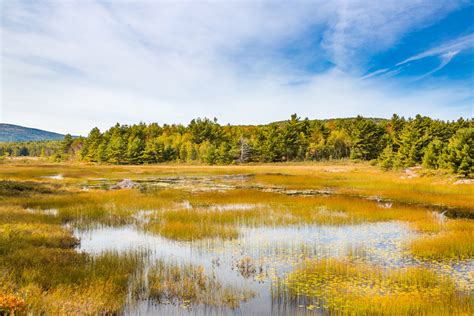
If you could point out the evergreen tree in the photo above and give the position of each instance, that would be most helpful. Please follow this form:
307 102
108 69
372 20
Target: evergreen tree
460 153
413 138
117 146
90 150
291 136
136 145
153 151
433 154
366 139
66 144
387 158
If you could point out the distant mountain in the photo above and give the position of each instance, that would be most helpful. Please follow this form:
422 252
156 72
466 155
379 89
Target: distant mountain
15 133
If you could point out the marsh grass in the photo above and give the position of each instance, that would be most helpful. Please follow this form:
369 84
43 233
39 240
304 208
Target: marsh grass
347 288
40 267
18 188
189 231
453 240
62 281
343 177
41 272
189 285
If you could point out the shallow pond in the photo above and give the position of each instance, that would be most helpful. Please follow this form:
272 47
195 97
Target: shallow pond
260 254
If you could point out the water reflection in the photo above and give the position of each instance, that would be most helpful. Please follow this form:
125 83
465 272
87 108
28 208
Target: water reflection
261 254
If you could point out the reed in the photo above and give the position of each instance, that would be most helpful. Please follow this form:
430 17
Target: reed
189 285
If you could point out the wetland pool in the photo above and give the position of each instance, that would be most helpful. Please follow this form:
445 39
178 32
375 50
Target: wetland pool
260 255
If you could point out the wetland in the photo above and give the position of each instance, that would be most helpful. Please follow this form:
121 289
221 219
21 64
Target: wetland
281 239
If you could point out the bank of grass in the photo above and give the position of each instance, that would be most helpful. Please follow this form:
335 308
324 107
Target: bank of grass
453 240
41 273
189 231
370 181
345 288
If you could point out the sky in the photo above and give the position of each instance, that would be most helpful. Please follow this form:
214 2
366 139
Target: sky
68 66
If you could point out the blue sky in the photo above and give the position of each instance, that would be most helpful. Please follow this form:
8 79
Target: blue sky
68 66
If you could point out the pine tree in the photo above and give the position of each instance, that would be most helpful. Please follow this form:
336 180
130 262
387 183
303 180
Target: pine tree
432 157
291 137
66 143
413 138
117 146
366 139
387 158
153 151
460 153
90 149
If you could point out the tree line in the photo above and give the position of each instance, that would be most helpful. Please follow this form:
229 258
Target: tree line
393 143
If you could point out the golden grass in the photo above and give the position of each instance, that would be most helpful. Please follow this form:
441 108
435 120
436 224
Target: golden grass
455 240
192 231
41 273
343 177
347 288
61 281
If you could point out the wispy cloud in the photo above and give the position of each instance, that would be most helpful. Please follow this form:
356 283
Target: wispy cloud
361 29
445 59
447 50
375 73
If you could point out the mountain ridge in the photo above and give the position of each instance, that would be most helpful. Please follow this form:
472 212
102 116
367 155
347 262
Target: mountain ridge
17 133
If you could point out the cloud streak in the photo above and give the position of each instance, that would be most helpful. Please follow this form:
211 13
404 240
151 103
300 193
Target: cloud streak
447 51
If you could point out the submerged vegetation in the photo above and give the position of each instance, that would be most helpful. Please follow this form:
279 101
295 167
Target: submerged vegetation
208 212
343 287
189 285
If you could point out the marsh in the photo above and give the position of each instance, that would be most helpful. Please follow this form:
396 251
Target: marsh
239 240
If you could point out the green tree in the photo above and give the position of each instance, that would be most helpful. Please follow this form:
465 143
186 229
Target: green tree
433 154
90 149
387 158
153 151
366 139
136 144
66 144
117 146
413 138
460 152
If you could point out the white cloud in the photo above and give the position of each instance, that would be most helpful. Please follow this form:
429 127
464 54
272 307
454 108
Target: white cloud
445 59
447 50
70 66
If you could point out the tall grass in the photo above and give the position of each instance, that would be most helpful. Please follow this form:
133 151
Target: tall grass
347 288
192 231
189 285
455 240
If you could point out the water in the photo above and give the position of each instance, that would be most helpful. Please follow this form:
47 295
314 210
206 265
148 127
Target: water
270 251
